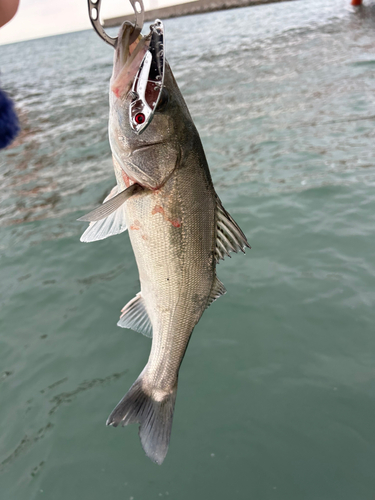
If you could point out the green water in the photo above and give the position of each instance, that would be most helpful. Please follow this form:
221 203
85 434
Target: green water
276 393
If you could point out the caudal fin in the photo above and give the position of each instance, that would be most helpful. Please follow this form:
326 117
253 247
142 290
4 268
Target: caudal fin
154 416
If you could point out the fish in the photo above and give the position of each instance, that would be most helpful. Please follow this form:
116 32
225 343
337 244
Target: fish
178 229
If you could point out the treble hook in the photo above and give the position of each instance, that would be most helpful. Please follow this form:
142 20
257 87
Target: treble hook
94 13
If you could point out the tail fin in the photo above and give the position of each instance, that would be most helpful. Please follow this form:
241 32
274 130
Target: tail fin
154 416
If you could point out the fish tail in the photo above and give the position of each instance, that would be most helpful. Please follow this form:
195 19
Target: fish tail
153 412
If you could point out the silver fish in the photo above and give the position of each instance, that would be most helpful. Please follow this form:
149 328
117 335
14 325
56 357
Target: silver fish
178 229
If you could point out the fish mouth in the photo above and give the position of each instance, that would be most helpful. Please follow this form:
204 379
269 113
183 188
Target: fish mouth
128 58
138 73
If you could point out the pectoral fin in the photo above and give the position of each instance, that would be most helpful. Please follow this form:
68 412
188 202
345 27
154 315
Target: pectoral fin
101 229
230 238
111 225
111 205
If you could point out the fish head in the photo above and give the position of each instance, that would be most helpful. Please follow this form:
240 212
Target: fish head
147 152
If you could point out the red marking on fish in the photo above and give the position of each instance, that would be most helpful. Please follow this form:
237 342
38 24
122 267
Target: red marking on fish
126 178
175 222
144 237
160 210
116 91
136 225
157 210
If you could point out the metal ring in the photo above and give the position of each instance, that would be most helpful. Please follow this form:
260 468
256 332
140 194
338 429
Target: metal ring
94 14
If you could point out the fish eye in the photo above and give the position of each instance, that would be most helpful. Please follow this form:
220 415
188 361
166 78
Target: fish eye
163 101
139 118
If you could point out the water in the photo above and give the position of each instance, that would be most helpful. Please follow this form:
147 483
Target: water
276 395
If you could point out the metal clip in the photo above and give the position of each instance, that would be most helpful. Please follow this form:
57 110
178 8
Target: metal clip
94 14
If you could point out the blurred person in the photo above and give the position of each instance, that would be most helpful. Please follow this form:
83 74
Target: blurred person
8 8
9 125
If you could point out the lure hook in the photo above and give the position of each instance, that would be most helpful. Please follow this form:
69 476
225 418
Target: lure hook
94 14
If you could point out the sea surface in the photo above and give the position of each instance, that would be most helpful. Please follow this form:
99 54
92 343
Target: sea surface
276 395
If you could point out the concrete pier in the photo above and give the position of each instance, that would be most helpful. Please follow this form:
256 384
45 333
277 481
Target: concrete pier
189 8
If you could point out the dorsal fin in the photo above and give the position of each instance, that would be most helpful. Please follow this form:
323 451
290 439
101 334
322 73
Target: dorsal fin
230 238
134 316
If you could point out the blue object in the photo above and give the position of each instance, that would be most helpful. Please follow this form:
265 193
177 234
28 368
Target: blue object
9 124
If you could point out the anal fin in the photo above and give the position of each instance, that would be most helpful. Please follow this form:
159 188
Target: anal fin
134 316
